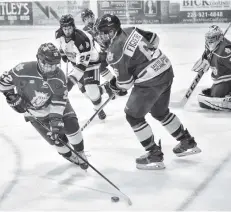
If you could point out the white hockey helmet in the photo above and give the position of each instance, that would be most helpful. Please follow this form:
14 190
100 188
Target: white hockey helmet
213 37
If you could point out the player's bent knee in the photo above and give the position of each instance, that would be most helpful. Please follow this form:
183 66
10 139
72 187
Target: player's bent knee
160 115
71 124
134 121
214 103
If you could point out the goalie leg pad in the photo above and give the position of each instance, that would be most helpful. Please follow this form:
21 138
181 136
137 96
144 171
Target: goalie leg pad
214 103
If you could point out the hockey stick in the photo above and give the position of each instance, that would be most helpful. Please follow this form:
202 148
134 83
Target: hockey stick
194 83
97 111
67 71
75 152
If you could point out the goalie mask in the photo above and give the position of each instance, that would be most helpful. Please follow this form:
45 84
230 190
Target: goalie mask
108 27
213 37
67 24
88 18
49 59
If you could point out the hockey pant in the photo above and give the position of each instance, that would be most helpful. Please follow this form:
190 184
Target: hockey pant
218 97
88 83
71 128
152 99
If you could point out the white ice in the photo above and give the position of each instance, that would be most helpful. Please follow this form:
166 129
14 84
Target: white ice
34 177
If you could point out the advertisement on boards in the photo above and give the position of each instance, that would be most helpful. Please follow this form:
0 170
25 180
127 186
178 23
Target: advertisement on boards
49 12
132 12
16 13
200 11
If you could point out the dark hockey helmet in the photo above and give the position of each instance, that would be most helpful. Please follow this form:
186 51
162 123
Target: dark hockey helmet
108 22
108 26
213 37
49 59
67 20
87 13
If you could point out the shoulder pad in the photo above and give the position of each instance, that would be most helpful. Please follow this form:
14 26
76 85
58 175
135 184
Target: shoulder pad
82 41
226 50
58 33
128 30
25 68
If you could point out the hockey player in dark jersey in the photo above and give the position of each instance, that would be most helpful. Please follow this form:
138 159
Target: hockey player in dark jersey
38 89
217 56
77 47
135 57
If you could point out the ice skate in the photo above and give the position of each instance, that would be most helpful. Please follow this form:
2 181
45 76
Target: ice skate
187 146
78 161
153 160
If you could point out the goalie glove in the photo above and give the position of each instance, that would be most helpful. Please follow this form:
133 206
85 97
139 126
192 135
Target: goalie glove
115 89
201 65
16 102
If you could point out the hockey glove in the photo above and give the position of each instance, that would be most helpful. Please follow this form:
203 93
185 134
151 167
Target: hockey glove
16 102
115 89
201 65
56 127
65 59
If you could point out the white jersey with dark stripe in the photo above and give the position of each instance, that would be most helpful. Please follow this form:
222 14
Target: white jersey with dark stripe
45 97
79 49
134 58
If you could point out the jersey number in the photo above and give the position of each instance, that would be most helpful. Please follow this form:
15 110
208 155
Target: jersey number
84 58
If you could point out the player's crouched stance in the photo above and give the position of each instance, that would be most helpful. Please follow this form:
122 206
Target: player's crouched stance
217 56
38 89
134 55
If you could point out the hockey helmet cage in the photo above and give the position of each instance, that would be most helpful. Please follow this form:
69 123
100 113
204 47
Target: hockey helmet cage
213 37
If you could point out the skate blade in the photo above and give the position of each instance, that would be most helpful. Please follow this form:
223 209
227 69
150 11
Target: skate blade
192 151
151 166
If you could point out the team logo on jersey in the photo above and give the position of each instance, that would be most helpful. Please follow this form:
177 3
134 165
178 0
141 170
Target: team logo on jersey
19 67
227 50
81 47
39 99
87 45
110 56
132 43
45 85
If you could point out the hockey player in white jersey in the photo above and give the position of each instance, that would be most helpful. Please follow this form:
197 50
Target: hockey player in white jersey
77 47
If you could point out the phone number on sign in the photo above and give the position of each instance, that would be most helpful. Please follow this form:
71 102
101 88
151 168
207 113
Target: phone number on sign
204 14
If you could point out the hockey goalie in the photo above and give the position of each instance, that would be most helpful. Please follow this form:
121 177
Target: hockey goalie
217 57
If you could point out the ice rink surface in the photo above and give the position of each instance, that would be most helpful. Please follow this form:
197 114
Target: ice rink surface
34 177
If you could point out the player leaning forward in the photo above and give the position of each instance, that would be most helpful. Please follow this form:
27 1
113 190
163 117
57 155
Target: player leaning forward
135 57
78 47
217 56
38 89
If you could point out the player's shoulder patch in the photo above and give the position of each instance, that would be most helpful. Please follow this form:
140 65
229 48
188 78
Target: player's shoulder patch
132 42
82 41
227 49
58 33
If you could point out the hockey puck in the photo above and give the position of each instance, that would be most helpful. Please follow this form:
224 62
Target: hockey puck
115 199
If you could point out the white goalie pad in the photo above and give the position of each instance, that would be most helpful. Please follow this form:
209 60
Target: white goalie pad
215 103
